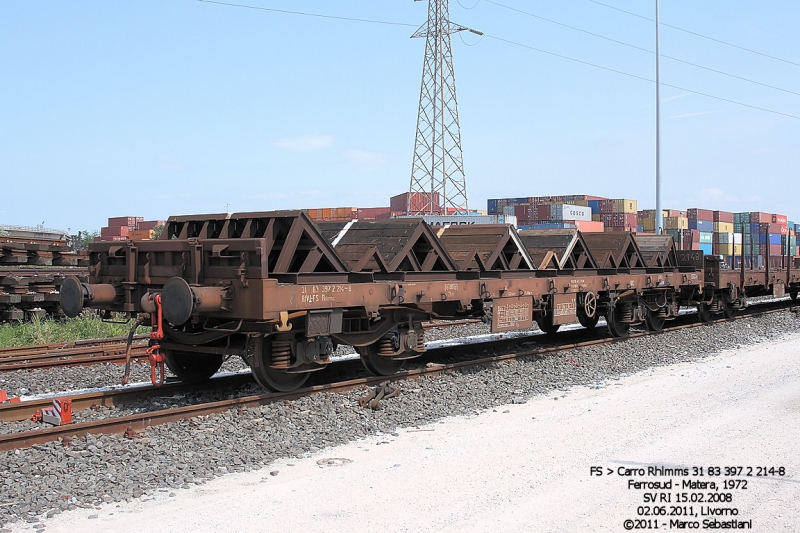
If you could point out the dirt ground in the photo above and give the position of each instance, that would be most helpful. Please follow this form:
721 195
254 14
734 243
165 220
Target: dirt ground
526 467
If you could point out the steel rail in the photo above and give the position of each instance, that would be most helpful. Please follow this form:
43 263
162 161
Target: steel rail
140 421
112 350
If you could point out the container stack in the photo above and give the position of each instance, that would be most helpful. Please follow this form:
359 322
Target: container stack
399 205
725 241
123 228
119 228
766 235
333 213
549 212
619 214
701 228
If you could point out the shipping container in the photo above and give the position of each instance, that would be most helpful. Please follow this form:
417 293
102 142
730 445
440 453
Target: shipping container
778 229
142 234
676 223
706 237
594 205
724 238
701 225
606 206
741 218
690 235
371 213
706 248
569 212
620 220
597 217
552 225
419 201
724 249
723 227
780 219
461 220
699 214
624 205
724 216
129 222
587 226
491 206
543 212
648 224
760 218
115 231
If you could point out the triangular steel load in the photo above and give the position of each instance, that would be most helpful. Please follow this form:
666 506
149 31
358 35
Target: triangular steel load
294 243
387 246
485 247
658 250
563 249
614 249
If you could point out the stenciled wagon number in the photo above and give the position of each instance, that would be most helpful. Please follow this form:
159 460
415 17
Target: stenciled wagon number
322 293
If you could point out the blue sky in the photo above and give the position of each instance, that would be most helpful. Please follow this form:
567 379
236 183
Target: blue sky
154 108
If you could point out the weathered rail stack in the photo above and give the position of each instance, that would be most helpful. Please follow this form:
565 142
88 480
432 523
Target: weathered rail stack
31 273
281 291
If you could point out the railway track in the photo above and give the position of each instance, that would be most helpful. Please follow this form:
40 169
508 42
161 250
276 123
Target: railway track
78 353
111 350
140 421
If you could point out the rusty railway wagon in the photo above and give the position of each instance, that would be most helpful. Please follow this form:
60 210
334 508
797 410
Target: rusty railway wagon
31 273
282 292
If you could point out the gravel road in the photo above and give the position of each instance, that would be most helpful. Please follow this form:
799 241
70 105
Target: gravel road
95 475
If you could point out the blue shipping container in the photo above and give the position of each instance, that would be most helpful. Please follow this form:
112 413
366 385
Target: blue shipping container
774 238
701 225
491 206
594 205
755 228
706 248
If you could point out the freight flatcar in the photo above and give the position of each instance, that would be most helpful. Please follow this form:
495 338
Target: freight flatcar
282 292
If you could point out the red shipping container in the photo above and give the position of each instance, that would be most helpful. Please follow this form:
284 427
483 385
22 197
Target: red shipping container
700 214
114 231
126 221
371 213
606 206
757 217
521 212
723 216
774 229
419 201
780 219
543 213
775 249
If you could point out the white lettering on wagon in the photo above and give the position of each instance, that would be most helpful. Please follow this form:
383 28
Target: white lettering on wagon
310 294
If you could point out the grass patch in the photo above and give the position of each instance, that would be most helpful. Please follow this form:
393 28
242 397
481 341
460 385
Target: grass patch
72 329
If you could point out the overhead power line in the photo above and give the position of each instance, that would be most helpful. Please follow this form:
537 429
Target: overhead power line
317 15
698 34
623 43
638 77
515 44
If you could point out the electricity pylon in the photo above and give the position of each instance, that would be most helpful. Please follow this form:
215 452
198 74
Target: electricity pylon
438 162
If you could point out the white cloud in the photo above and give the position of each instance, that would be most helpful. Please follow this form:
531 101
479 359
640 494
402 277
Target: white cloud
366 160
305 143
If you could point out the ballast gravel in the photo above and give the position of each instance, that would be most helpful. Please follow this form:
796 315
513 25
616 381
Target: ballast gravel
96 471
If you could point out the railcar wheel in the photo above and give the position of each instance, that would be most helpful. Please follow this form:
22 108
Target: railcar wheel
704 313
588 323
190 367
654 322
375 363
271 378
546 324
615 327
729 311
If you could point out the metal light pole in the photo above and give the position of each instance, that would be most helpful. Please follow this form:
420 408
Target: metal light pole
659 214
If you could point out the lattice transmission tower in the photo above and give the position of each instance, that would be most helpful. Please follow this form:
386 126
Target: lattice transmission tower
438 169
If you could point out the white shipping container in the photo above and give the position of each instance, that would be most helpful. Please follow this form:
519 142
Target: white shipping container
442 220
570 212
726 238
737 238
